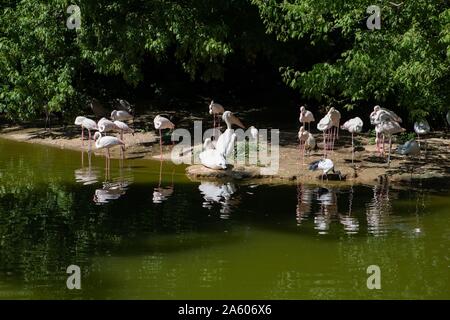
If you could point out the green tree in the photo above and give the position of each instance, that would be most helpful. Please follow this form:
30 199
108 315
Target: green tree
405 64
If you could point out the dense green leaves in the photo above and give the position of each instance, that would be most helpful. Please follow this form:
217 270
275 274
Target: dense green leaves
405 64
45 67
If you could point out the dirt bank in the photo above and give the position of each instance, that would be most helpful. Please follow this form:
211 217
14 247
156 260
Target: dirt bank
368 166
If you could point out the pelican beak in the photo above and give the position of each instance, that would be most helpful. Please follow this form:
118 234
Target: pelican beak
236 121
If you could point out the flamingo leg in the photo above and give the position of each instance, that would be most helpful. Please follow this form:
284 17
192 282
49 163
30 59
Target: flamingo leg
389 154
82 136
89 132
160 145
353 151
214 121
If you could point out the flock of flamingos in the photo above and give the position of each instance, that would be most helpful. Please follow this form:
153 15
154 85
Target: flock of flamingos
217 150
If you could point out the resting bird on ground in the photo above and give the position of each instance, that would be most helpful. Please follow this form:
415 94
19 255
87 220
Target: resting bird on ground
211 158
326 165
410 148
306 117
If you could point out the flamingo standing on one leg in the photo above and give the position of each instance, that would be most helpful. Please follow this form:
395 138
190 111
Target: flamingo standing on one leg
216 109
302 138
104 126
378 116
89 125
124 128
160 124
324 125
306 117
335 117
353 126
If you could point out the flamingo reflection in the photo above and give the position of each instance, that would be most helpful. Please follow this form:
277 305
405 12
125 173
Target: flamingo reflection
86 176
161 194
112 190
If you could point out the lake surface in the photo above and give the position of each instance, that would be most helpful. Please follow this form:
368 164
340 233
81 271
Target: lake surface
144 231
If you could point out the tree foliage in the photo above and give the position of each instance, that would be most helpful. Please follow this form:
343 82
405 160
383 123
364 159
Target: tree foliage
405 63
46 67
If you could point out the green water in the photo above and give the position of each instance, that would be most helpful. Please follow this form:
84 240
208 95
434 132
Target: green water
147 232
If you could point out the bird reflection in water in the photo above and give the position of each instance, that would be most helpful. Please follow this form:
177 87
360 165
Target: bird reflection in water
379 208
219 193
350 222
161 194
304 203
86 176
328 208
112 190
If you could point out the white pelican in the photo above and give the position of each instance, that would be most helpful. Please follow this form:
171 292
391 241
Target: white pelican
88 124
162 123
225 142
353 126
324 125
212 158
306 117
104 126
121 115
388 128
216 109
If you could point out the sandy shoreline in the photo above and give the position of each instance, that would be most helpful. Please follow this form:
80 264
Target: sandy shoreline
369 168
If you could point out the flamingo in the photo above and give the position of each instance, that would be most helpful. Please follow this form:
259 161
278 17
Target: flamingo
324 125
124 128
162 123
88 124
335 117
378 116
106 142
104 126
225 142
216 109
353 126
306 117
211 157
121 115
302 137
388 128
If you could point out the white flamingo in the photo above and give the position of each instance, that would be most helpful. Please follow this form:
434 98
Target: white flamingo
104 126
225 142
306 117
88 124
106 142
378 116
325 124
353 126
335 117
216 109
162 123
388 128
